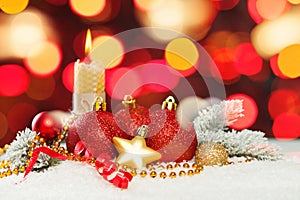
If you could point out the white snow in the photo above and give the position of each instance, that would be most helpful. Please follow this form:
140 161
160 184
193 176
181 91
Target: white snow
255 180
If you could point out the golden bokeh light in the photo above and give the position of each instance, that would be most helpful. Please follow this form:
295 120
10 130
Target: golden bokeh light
294 1
107 50
146 5
181 54
88 8
270 37
26 30
289 61
13 6
43 59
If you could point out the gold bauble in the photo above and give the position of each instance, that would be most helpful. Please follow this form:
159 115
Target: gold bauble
211 153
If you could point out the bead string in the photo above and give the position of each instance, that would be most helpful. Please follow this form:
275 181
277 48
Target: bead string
172 170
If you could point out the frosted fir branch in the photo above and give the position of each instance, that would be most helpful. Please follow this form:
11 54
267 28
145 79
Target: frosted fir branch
245 143
17 152
219 116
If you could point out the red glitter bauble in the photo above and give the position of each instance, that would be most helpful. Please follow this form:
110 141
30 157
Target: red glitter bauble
165 135
95 130
130 118
47 125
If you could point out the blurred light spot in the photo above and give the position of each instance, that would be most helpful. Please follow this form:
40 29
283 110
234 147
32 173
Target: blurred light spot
122 81
270 37
13 6
43 59
271 9
250 112
157 76
68 77
289 84
57 2
275 67
20 116
146 5
286 126
26 30
108 50
87 8
235 38
181 54
225 4
294 1
223 58
246 60
14 80
216 40
193 18
3 125
188 109
289 61
283 101
109 12
40 88
253 11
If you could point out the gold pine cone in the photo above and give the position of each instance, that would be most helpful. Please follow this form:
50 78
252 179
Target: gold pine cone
211 153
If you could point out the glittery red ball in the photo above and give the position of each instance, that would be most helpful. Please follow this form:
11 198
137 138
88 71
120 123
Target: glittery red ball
95 130
47 125
165 135
130 119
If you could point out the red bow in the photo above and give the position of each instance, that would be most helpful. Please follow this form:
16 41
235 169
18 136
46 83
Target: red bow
104 166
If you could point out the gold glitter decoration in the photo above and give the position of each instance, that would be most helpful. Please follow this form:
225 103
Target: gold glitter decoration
211 153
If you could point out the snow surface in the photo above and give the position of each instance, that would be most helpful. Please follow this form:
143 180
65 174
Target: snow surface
255 180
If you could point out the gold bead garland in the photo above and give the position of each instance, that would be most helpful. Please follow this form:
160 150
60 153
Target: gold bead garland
153 170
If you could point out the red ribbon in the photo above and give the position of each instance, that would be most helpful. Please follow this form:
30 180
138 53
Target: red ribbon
104 166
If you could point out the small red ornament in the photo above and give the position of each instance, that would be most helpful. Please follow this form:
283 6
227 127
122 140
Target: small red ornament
47 124
96 130
175 143
132 116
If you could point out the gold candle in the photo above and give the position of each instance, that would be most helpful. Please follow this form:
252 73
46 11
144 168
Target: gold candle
89 82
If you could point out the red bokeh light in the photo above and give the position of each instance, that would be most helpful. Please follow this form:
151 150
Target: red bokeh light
253 11
225 4
283 101
68 77
275 67
250 112
157 76
121 81
17 120
14 80
223 58
286 126
246 60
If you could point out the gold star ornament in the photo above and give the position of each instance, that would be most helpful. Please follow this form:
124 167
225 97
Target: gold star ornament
135 153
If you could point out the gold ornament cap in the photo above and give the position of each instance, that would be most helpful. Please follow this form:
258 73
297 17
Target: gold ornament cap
169 103
99 104
128 101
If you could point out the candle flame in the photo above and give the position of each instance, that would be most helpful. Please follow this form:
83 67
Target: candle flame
88 42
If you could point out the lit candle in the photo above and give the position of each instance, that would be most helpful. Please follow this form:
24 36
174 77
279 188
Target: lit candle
89 81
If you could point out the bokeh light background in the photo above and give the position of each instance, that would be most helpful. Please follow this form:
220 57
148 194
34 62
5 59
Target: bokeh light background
254 43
